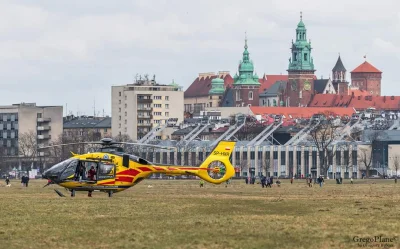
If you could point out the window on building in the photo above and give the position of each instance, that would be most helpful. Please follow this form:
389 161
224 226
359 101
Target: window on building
105 129
251 95
119 101
119 125
305 56
119 109
295 56
210 104
120 94
126 121
157 97
166 97
126 105
237 95
158 137
166 106
167 114
39 115
119 117
125 129
126 114
126 97
301 94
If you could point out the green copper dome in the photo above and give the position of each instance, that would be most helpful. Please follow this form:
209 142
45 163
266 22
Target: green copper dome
301 23
301 59
176 86
217 87
246 69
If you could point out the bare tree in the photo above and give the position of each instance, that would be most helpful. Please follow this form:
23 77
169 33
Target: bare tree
243 165
396 166
355 133
365 159
365 153
323 135
347 161
265 166
27 147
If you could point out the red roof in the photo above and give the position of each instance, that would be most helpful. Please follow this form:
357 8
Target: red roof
356 102
202 85
330 100
268 80
378 102
366 68
357 92
300 112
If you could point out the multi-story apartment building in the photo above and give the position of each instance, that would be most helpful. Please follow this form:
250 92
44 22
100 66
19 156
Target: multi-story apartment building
42 123
138 108
88 127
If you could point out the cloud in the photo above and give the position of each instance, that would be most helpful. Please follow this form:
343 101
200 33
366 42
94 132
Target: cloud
69 50
386 46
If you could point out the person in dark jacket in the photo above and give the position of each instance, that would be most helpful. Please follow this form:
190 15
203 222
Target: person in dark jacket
320 181
263 181
7 181
26 181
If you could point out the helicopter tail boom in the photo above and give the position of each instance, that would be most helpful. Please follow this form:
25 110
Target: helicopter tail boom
215 169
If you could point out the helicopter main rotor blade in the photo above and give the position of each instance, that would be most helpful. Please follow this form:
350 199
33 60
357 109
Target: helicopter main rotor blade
148 145
60 145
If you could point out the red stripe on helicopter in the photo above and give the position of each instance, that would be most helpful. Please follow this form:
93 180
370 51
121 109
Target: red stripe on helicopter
193 168
131 172
124 178
158 168
144 169
105 183
227 148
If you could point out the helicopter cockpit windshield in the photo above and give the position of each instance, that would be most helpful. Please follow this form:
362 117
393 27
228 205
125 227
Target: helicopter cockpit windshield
61 170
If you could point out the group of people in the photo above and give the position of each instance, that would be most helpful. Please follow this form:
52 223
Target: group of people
24 181
80 173
267 181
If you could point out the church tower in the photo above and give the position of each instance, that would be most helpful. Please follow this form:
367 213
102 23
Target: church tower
339 78
246 85
300 87
216 92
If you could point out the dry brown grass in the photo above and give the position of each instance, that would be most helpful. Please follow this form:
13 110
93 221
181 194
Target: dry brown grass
178 214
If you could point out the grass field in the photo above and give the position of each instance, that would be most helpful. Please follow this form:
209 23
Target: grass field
179 214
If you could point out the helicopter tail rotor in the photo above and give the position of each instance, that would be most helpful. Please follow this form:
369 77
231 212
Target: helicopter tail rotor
217 168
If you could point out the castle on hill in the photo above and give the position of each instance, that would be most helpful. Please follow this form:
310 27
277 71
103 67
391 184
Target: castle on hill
299 88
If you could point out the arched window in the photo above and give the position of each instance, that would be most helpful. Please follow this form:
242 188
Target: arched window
251 95
274 102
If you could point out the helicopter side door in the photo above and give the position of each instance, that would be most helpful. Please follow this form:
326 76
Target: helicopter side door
106 171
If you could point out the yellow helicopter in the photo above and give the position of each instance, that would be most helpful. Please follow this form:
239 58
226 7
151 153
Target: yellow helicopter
111 170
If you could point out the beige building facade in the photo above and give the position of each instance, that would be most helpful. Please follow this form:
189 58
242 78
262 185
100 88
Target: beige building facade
138 108
45 123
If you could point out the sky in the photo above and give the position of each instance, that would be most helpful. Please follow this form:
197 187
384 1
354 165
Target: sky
71 52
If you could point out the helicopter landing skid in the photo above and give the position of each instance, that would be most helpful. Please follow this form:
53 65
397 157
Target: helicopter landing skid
59 193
